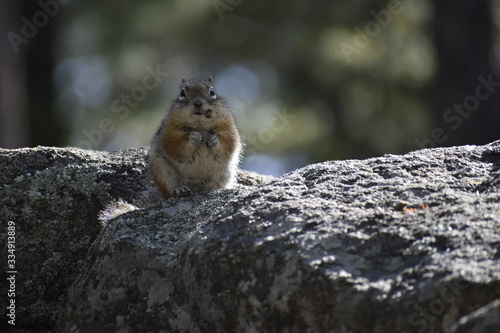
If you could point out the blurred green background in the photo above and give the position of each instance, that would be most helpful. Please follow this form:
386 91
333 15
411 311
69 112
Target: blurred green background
309 80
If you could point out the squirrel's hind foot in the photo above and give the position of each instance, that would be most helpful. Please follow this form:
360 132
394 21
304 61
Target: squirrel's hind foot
182 191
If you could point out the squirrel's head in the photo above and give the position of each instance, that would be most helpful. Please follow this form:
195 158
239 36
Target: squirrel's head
199 97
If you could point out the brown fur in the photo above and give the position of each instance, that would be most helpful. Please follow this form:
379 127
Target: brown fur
185 153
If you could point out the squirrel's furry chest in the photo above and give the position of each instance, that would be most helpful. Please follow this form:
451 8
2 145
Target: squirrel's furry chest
201 160
196 153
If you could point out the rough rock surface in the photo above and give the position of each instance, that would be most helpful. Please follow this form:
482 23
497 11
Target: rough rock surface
54 197
484 320
390 244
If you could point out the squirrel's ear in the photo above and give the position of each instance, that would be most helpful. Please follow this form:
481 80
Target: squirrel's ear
210 79
183 80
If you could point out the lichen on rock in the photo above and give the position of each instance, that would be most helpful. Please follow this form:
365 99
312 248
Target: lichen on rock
398 243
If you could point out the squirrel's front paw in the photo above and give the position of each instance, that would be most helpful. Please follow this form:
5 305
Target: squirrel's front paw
213 140
196 137
182 191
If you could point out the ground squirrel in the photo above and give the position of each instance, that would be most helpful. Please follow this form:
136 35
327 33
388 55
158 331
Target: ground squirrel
197 146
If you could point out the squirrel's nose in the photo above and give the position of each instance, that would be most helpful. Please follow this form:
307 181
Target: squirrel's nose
197 102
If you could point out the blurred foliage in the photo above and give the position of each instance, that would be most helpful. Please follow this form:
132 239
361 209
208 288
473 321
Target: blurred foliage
309 80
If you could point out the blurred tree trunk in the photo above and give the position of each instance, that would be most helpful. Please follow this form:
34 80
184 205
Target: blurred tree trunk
466 113
13 129
45 129
27 114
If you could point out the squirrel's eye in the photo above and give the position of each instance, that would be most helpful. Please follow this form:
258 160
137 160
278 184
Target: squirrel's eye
212 93
182 95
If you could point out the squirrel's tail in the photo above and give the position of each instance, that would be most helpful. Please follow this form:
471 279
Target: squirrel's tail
115 209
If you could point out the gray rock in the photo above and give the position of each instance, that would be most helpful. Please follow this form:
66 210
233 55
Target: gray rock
54 197
484 320
391 244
